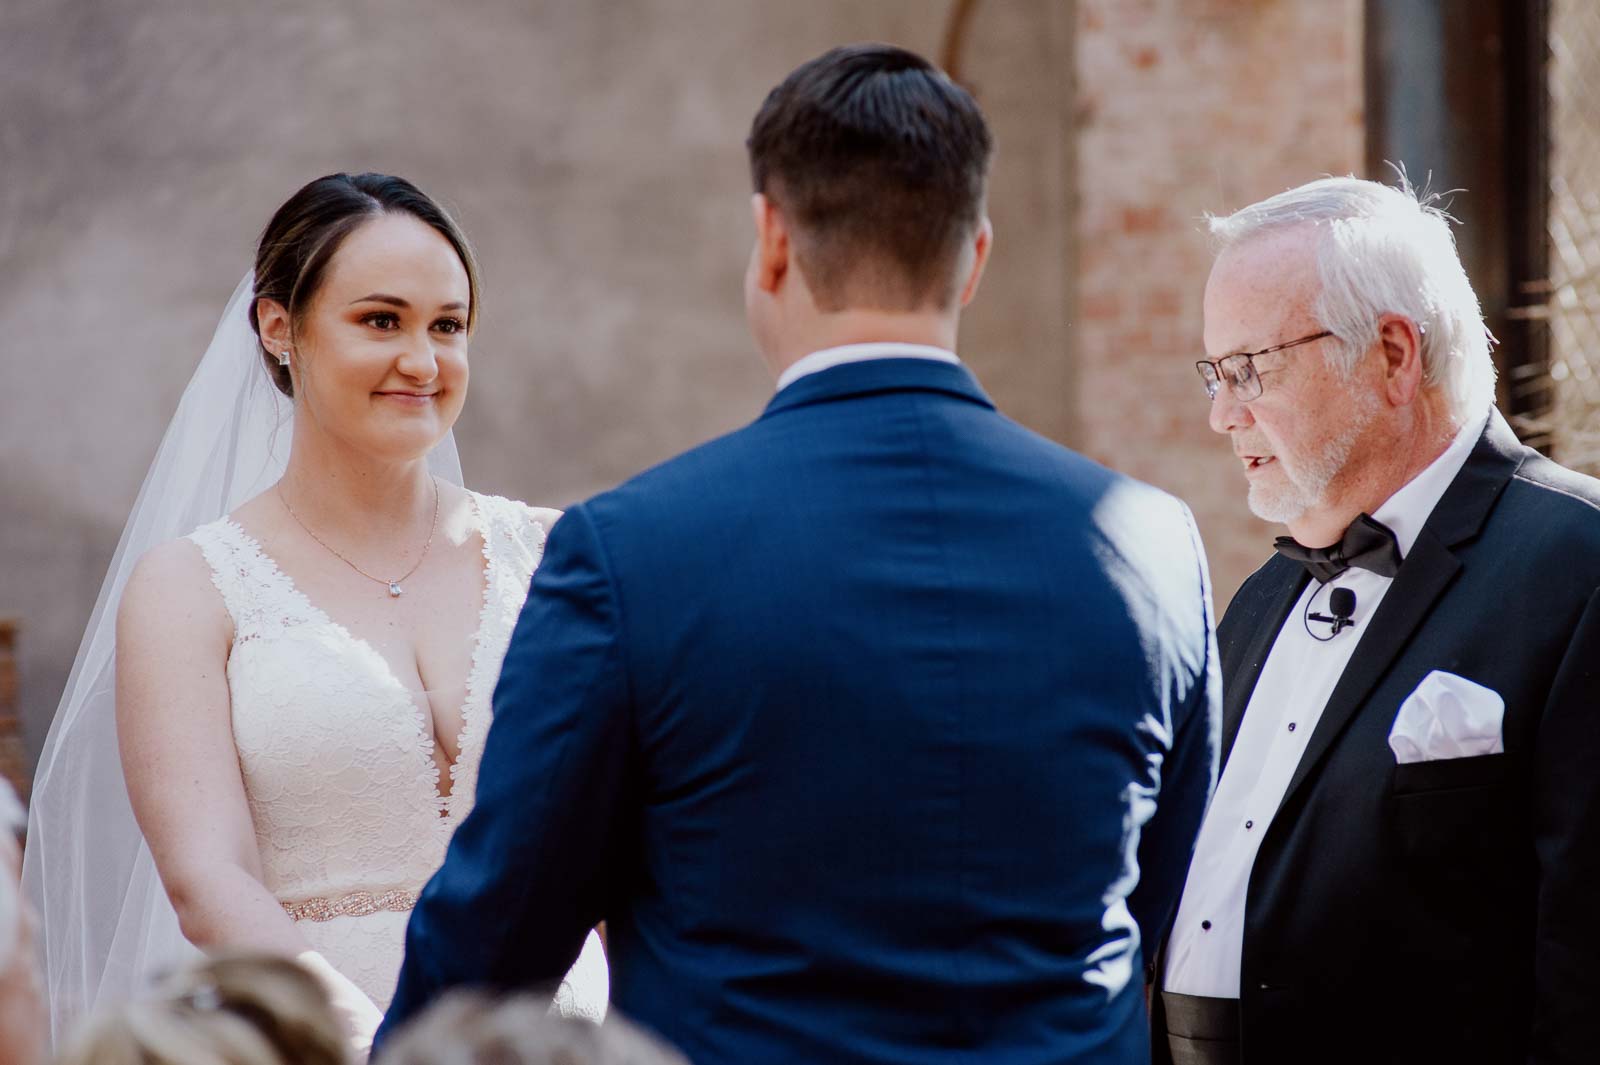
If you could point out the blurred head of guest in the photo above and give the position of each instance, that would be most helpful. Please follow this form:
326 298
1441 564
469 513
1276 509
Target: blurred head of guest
1344 348
228 1010
366 295
22 1014
468 1028
870 168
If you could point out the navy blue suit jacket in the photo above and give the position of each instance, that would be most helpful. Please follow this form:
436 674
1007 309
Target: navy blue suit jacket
874 731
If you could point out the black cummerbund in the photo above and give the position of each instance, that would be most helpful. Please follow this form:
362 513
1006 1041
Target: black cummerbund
1201 1031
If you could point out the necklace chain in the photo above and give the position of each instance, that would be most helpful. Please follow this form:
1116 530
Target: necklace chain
395 589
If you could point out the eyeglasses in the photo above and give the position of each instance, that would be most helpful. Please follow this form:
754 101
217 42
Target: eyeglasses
1239 369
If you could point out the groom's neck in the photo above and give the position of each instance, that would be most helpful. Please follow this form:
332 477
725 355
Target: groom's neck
934 328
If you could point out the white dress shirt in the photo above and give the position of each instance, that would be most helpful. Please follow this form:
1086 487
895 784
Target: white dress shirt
1299 676
828 358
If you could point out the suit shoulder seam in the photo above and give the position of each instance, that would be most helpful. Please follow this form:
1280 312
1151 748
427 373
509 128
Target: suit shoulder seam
1556 489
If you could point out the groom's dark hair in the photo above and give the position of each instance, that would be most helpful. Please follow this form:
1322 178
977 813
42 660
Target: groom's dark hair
879 162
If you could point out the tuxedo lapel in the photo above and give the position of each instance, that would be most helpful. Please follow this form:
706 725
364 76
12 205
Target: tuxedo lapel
1424 575
1280 581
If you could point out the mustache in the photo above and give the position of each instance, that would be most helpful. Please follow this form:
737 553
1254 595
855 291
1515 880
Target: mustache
1243 446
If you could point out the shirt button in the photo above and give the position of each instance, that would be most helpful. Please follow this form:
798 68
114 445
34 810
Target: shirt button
1291 726
1205 925
1249 824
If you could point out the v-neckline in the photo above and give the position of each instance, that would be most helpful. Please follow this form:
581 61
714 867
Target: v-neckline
423 716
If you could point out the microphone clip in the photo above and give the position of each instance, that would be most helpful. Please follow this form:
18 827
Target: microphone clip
1342 605
1339 623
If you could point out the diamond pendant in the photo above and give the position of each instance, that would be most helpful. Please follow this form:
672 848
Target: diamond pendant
395 589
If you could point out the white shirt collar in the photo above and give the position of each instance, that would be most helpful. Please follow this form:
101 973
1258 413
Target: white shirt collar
828 358
1408 510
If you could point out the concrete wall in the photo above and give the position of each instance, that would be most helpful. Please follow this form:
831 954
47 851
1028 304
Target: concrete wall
594 152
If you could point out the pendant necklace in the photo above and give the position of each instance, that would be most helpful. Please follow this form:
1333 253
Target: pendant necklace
395 588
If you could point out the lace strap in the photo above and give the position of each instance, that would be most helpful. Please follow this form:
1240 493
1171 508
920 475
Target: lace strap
252 587
513 541
230 568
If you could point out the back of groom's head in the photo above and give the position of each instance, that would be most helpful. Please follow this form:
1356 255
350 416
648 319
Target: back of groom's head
879 161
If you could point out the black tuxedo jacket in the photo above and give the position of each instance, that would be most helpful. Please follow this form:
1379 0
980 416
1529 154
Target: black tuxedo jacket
1443 911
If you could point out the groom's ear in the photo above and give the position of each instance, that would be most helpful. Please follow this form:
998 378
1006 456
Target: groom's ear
772 244
982 242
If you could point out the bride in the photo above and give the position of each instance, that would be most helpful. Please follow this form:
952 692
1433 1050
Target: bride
302 682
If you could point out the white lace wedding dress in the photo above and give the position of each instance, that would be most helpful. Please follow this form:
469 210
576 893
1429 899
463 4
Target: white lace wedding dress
337 755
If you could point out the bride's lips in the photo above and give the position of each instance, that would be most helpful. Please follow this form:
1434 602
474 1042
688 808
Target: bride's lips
408 399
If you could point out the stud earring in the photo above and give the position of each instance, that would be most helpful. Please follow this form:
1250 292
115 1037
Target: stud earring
283 359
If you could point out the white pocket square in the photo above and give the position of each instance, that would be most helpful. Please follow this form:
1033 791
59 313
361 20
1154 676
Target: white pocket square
1447 717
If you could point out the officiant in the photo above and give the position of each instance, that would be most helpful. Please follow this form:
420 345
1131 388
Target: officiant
1400 861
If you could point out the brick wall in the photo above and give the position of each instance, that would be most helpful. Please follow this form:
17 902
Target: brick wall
1184 107
13 756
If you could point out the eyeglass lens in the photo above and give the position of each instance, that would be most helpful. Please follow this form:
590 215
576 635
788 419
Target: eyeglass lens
1235 371
1240 373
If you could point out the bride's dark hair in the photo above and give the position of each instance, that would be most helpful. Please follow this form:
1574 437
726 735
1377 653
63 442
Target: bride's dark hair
306 231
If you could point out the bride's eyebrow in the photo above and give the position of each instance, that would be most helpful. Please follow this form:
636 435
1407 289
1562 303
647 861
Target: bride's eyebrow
396 301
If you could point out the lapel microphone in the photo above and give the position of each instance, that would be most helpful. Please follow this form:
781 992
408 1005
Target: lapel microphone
1342 604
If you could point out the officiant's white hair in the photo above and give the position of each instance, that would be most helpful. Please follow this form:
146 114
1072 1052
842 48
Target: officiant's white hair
1383 249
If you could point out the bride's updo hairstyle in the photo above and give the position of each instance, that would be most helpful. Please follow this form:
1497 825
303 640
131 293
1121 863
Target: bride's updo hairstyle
231 1009
306 232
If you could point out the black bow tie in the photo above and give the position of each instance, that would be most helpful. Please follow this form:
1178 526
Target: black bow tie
1367 544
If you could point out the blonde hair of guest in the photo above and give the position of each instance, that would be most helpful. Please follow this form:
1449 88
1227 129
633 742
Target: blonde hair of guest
233 1009
472 1028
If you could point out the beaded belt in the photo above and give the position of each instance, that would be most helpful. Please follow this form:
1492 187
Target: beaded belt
355 904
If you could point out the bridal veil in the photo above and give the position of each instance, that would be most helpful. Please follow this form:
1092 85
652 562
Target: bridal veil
105 922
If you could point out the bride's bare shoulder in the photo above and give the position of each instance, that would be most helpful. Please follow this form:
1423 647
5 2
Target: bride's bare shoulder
544 516
171 586
540 520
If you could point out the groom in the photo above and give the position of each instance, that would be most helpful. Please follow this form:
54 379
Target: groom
875 731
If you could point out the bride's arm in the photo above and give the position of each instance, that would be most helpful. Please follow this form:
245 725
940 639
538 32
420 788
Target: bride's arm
182 768
178 755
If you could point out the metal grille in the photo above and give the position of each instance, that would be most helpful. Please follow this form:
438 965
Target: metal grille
1575 232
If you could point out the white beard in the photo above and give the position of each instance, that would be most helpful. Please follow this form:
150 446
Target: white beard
1304 483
